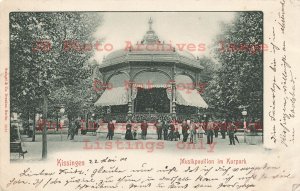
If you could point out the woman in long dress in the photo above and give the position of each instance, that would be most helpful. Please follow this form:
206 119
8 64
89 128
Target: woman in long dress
193 133
201 130
128 134
135 129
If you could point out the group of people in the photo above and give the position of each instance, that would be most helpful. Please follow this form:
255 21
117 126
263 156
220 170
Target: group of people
229 127
190 130
131 130
193 131
169 130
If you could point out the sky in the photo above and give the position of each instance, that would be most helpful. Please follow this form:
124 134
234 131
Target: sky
170 27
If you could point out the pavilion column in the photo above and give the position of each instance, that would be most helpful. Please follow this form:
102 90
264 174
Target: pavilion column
130 105
133 96
173 98
197 83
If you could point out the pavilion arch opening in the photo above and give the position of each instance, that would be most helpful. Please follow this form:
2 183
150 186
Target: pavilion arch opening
117 83
118 80
150 93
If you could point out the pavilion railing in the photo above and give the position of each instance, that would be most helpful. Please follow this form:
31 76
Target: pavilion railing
150 117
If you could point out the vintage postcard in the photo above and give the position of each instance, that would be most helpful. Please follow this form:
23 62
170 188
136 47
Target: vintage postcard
149 95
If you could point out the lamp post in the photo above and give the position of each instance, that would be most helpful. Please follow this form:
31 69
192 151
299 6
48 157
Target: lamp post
57 107
93 121
61 111
205 122
244 113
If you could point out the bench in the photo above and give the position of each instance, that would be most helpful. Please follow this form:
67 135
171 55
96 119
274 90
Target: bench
16 147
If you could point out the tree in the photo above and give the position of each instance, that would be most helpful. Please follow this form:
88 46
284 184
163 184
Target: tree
209 69
36 71
239 80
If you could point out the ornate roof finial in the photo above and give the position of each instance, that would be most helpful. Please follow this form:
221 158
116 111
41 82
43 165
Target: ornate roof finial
150 23
150 37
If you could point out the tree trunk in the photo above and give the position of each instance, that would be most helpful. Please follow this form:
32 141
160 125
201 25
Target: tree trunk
28 122
33 130
44 136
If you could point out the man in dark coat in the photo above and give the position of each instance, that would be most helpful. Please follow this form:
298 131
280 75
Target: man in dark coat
77 124
71 130
111 130
185 127
165 129
159 127
231 131
144 127
210 131
172 131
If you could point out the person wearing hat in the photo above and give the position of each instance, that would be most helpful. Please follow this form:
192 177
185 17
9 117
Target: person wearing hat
158 126
172 135
144 127
111 130
71 130
128 134
231 131
185 127
193 133
210 131
165 129
223 129
217 128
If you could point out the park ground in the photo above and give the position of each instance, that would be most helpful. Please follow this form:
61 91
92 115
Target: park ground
97 142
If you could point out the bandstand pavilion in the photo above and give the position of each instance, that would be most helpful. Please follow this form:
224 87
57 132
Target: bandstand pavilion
150 78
